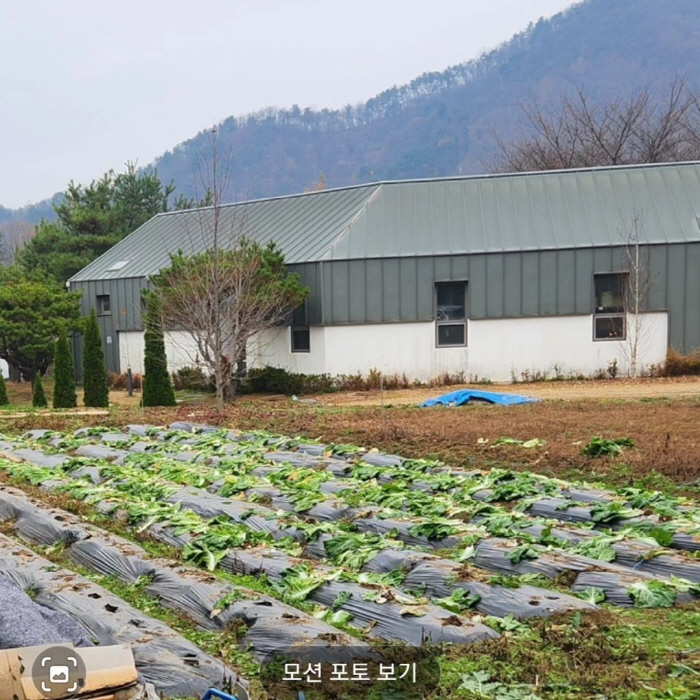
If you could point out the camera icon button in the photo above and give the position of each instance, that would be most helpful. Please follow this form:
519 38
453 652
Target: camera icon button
58 672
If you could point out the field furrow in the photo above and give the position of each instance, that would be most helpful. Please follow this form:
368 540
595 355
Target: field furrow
176 667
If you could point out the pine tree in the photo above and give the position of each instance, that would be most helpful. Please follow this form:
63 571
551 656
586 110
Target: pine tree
157 389
38 395
64 374
4 400
95 391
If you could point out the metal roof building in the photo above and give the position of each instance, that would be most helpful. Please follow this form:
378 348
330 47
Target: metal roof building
525 247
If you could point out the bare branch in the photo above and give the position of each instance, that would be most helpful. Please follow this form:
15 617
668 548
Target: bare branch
229 289
580 132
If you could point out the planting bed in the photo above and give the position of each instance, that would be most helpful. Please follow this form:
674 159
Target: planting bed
173 665
353 545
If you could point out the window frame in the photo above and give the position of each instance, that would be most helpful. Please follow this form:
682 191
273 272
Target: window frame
621 275
100 307
295 328
450 322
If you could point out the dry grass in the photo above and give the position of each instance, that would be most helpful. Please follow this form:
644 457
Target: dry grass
682 365
661 416
666 432
20 395
568 390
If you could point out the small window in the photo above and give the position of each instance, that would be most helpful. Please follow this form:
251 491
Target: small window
609 311
451 313
609 293
451 334
609 327
301 335
118 265
103 305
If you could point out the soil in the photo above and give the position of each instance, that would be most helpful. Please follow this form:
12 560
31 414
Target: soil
661 416
564 390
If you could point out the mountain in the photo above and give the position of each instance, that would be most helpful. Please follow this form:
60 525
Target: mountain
443 123
32 213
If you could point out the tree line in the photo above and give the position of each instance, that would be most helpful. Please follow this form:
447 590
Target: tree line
34 304
223 295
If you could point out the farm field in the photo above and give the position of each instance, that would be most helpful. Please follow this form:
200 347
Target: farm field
662 422
568 390
537 587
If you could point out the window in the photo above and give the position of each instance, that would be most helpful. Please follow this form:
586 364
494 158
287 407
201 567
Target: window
451 313
120 264
609 311
301 336
103 305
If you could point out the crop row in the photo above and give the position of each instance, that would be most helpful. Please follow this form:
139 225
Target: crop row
373 511
369 600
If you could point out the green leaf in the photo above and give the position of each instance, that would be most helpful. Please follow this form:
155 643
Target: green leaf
341 599
354 550
606 447
459 600
508 623
523 551
652 594
592 595
663 536
339 617
469 552
611 512
437 529
299 582
599 547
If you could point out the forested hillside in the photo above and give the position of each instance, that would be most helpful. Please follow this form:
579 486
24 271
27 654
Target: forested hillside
444 123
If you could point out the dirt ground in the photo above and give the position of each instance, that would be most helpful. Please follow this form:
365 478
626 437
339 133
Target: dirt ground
661 416
565 390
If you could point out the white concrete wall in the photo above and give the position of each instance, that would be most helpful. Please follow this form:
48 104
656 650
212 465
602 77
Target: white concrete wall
180 350
273 347
396 348
498 349
391 348
501 349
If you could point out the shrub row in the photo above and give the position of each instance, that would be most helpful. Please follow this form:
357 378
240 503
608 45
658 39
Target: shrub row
120 382
276 380
678 365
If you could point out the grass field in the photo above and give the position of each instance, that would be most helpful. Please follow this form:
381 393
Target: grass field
633 654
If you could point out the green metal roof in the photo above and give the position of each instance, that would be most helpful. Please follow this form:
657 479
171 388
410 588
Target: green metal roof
477 214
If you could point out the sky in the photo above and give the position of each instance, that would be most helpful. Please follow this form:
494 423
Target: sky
88 85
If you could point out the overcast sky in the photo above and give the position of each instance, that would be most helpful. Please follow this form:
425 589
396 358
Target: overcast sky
87 84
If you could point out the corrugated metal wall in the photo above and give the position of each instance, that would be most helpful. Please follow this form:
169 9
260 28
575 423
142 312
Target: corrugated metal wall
125 314
500 285
310 276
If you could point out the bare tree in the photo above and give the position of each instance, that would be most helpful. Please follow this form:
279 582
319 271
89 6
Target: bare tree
231 291
581 132
13 237
636 286
317 185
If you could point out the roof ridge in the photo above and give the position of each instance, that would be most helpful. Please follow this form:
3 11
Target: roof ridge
444 178
368 200
293 195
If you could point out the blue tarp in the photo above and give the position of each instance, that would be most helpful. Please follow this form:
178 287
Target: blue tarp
459 398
